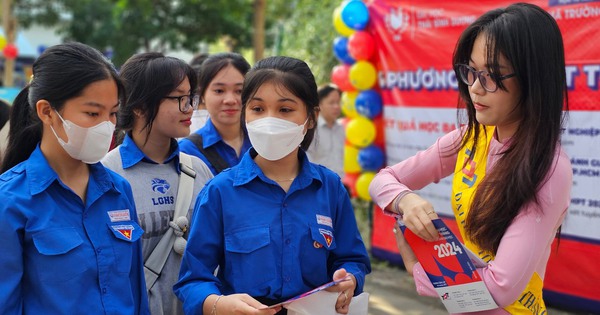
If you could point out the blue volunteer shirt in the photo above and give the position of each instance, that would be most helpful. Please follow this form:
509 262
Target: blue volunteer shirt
212 138
269 243
60 256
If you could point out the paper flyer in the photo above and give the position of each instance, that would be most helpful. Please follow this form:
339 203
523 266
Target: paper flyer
313 291
451 270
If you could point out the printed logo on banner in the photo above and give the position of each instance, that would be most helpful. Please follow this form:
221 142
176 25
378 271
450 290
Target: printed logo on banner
568 2
397 22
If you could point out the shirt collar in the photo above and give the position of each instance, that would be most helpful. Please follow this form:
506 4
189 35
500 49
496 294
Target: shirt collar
247 170
41 175
132 155
210 134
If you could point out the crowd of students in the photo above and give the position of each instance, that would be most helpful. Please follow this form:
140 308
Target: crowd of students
235 216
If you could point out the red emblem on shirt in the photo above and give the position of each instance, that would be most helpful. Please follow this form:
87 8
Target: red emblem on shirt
125 232
327 235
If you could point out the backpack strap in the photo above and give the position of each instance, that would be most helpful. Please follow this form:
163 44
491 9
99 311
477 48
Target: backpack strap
211 154
173 238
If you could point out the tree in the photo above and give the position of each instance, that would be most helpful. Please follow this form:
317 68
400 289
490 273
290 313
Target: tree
128 26
308 33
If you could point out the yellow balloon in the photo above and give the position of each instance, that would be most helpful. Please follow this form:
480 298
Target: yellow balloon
339 24
348 104
360 131
351 160
2 42
363 75
362 185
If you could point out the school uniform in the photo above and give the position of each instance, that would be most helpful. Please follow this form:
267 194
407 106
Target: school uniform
211 140
268 243
61 256
155 187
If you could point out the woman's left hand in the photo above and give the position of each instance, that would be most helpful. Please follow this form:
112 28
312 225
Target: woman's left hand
346 289
408 256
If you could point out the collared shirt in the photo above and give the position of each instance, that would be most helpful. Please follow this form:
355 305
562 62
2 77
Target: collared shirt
266 242
327 148
212 138
61 256
155 188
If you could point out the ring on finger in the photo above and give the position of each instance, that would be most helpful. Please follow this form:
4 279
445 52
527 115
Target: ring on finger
430 212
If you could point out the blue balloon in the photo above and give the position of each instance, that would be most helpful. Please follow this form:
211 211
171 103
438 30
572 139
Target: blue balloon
340 50
355 14
369 103
371 158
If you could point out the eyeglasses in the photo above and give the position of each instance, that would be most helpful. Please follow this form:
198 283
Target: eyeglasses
186 101
487 80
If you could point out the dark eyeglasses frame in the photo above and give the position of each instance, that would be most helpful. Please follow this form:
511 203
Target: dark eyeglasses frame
193 101
481 76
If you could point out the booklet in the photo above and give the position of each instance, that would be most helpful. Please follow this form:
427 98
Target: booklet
451 267
313 291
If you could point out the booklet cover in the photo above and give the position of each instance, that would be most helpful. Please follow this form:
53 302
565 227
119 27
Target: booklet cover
452 270
313 291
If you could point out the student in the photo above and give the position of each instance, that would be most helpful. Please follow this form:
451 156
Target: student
157 110
512 180
328 147
275 224
200 115
223 140
68 227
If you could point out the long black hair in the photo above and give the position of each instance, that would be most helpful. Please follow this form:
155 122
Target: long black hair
62 72
529 38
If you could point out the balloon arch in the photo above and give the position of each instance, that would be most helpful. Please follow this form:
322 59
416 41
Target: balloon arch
361 103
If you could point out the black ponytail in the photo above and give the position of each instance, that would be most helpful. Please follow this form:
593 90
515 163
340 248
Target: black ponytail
25 131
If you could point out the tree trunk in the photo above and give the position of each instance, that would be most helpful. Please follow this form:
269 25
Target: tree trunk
258 39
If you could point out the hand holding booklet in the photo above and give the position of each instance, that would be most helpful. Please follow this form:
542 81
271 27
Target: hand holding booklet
319 301
451 267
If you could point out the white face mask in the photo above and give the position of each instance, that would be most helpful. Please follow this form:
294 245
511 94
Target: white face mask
274 138
88 145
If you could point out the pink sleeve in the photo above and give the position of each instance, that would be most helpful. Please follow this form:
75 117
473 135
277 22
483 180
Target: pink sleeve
416 172
526 245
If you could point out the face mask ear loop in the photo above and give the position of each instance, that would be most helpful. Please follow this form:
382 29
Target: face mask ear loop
65 127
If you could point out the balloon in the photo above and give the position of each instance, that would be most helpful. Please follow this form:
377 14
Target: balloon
368 103
371 158
340 76
348 100
349 181
379 123
363 75
339 25
362 185
340 50
41 48
360 132
355 14
2 42
10 51
351 159
361 45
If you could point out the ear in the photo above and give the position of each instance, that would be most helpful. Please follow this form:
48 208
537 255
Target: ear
44 111
139 113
